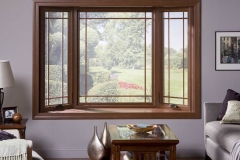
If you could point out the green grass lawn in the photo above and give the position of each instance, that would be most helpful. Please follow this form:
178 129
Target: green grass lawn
136 76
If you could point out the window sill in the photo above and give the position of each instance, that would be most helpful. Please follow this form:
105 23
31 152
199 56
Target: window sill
119 113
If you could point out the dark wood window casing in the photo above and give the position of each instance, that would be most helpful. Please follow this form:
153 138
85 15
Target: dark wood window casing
67 103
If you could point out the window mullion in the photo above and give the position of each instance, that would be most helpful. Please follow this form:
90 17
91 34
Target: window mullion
158 58
74 58
183 61
145 67
70 59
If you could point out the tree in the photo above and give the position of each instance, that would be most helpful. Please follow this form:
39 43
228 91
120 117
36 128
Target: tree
177 58
55 41
91 40
124 40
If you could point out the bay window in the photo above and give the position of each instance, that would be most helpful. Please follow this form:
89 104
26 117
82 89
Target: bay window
111 59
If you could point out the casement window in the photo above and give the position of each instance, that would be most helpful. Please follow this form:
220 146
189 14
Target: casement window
110 59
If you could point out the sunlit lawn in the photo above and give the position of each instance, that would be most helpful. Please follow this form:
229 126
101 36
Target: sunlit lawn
136 76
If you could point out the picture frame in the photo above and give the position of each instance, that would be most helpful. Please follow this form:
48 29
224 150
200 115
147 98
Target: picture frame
8 112
227 50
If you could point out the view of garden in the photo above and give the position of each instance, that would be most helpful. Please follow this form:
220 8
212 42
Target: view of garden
115 58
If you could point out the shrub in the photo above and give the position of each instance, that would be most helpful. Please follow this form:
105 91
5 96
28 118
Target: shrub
104 89
55 90
56 73
83 85
100 77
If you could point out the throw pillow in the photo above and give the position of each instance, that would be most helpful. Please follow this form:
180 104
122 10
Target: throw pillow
5 135
231 95
232 114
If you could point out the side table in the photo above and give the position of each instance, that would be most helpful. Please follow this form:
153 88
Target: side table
147 144
21 127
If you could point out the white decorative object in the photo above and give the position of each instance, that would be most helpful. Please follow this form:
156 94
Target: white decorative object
13 149
6 75
6 78
232 114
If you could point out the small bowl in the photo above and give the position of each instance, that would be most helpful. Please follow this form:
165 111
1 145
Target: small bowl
141 128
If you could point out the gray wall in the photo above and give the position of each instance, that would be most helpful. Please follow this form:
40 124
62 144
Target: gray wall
69 138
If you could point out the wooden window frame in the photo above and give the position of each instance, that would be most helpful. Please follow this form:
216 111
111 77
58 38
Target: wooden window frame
154 112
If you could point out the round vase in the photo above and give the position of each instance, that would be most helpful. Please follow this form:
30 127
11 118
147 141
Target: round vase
17 117
95 148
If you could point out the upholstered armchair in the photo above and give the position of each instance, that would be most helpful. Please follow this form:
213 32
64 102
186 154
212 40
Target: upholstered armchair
15 132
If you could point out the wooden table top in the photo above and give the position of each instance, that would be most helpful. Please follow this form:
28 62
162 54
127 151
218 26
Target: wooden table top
121 134
20 125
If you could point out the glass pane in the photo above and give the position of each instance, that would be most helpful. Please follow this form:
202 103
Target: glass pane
176 101
176 35
82 14
185 58
102 99
65 57
149 15
149 99
82 99
185 83
176 59
176 83
131 99
166 100
82 47
55 14
167 53
116 99
165 14
185 35
149 58
56 60
118 57
175 14
65 100
116 15
46 14
46 61
185 14
55 101
65 14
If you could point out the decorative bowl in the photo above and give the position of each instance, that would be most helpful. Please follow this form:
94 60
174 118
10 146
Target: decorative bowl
140 128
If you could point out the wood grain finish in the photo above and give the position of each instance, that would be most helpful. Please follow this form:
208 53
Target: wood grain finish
155 110
21 127
160 139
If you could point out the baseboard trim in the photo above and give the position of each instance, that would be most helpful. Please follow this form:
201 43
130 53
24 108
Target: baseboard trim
62 153
72 153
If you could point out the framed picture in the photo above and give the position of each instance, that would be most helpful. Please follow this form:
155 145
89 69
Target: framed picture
8 112
227 50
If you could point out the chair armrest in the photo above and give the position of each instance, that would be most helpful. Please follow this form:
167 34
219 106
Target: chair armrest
29 150
211 111
15 132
